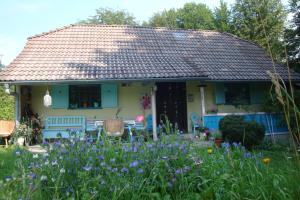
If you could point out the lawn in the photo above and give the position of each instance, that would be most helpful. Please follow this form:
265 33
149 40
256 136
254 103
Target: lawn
167 169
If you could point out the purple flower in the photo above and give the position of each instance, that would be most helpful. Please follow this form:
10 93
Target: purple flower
247 155
102 164
150 146
140 171
124 170
32 175
101 157
112 160
225 145
114 169
134 164
179 171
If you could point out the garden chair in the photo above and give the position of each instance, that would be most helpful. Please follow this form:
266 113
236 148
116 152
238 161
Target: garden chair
195 119
6 129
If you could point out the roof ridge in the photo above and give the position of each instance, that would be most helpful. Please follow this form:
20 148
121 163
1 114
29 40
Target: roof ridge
51 31
239 38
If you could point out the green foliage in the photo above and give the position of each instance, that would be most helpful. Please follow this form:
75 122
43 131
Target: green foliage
222 17
6 105
235 129
161 170
191 16
110 17
261 22
292 37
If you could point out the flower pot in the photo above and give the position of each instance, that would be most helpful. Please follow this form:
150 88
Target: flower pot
218 142
114 127
20 141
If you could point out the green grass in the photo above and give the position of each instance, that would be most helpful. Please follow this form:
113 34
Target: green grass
7 161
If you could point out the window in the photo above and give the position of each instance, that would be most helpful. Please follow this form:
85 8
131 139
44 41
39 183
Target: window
237 94
84 96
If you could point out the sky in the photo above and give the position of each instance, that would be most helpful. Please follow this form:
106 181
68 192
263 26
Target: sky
20 19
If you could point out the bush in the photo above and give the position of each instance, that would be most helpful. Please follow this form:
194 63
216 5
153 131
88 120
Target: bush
235 129
6 105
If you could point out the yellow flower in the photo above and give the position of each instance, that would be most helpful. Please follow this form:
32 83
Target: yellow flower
209 150
266 160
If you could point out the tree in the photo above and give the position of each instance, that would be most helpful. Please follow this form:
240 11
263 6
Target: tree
109 16
261 22
222 17
196 16
191 16
166 18
292 36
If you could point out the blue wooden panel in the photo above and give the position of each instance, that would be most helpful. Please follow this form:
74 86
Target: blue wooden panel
272 122
109 95
220 93
60 96
257 93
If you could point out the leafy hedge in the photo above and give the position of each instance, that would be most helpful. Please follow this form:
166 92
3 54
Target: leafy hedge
235 129
6 105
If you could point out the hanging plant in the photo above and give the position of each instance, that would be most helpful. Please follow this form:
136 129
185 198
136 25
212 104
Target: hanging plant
145 102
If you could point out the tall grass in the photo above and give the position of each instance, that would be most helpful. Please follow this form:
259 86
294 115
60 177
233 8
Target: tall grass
167 169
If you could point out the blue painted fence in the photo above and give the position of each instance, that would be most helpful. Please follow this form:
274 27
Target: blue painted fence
273 123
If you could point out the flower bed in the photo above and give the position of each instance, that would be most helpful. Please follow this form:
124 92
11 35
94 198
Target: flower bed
169 169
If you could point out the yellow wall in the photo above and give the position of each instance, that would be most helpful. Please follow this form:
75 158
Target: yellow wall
128 99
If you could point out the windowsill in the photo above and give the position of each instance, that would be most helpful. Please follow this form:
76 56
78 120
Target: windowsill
88 108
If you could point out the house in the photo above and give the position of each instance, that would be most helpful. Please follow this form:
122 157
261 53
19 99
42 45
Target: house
92 70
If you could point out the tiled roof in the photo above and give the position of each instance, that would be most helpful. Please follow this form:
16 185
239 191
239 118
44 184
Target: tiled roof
100 52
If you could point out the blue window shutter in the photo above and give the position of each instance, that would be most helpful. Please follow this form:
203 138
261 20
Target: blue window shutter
220 93
257 92
109 95
60 96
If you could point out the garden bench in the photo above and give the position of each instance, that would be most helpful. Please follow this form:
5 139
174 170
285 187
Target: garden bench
63 126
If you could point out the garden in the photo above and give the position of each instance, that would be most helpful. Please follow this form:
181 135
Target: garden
170 168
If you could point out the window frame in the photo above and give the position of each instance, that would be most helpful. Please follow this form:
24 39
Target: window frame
234 86
88 89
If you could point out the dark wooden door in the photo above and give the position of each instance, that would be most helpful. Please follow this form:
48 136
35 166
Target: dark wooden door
171 101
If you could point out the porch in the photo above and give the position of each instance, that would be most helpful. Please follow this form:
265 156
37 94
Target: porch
96 102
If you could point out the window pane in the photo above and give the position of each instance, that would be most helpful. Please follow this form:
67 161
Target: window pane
237 94
85 96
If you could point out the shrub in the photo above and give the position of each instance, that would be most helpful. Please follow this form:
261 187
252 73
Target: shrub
235 129
6 105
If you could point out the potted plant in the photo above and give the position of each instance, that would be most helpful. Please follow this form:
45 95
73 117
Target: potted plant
217 138
22 134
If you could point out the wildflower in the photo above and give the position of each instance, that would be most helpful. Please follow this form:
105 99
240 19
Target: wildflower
209 150
247 155
43 178
102 164
179 171
114 169
18 153
47 162
101 157
124 170
32 175
62 170
134 164
54 163
112 160
266 160
140 171
164 157
35 156
87 168
8 178
225 145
